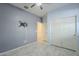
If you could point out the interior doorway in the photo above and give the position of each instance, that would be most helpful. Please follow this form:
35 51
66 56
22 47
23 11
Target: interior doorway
41 36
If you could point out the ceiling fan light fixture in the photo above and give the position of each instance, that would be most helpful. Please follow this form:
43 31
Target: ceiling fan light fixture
38 4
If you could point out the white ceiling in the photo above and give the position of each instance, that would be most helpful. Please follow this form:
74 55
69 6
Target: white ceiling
36 10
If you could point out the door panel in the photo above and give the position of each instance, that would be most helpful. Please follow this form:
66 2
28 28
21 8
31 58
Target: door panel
63 32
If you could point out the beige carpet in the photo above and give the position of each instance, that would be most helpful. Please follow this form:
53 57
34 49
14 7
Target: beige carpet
35 49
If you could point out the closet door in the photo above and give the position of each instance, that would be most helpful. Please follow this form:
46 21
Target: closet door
57 32
64 32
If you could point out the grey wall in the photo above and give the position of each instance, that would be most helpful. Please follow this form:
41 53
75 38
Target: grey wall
66 11
12 36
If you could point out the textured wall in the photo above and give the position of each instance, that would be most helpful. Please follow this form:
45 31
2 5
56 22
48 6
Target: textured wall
12 36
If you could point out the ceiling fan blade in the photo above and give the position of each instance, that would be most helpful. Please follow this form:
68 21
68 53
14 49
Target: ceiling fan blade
41 7
26 7
32 5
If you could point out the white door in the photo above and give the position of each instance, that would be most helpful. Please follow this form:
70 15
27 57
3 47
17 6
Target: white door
64 32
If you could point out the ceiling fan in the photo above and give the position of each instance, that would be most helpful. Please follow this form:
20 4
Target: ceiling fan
33 5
